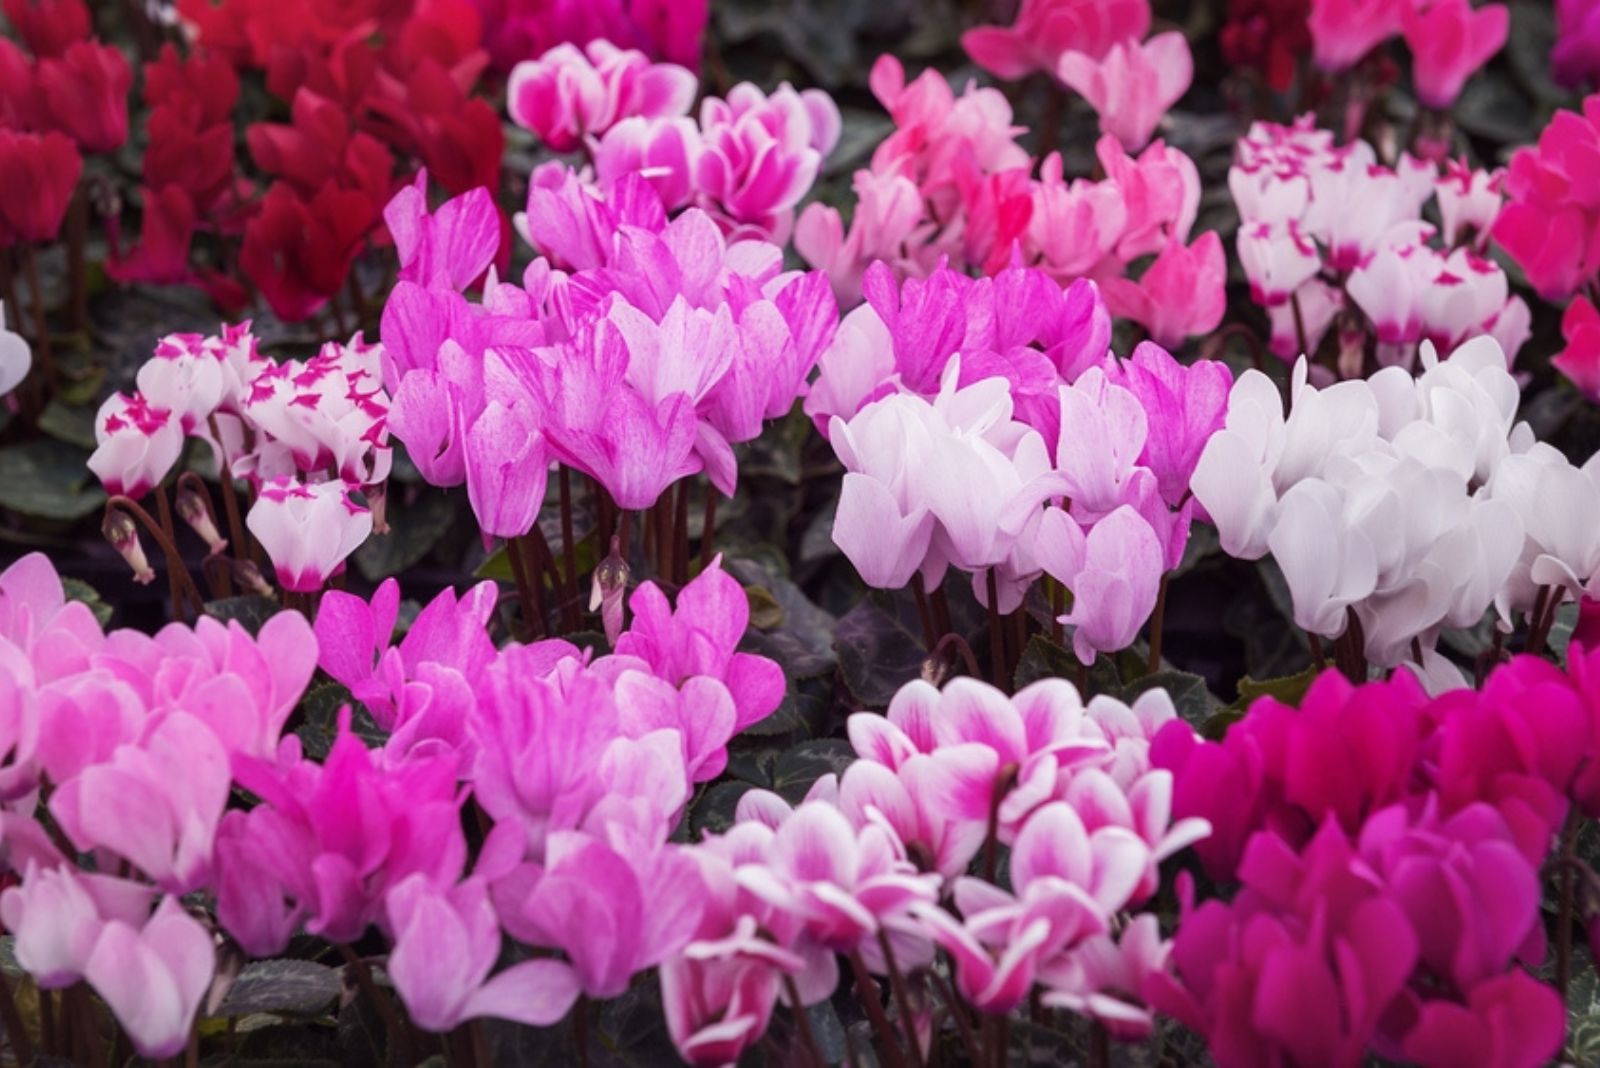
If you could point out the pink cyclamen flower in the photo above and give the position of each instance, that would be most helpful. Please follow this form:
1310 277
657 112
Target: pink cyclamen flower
446 941
1344 31
761 153
57 914
153 976
567 95
1045 30
1133 86
307 530
137 444
450 247
1579 360
1449 41
1184 406
1179 295
1113 572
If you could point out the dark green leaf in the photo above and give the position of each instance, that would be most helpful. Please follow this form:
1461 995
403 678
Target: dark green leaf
713 813
250 611
319 721
1044 659
48 479
1190 697
414 529
68 423
765 611
807 762
78 590
878 653
290 987
1286 688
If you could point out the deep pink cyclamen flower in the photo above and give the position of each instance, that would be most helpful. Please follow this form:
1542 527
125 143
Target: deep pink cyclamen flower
1184 405
1449 41
40 171
1575 58
1551 221
48 27
1579 360
450 247
1045 30
85 93
1133 85
307 530
329 840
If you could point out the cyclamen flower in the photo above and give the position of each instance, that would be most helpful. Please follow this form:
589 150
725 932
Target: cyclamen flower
1550 219
1044 30
137 444
1575 58
16 357
566 94
1133 86
307 530
1579 360
43 169
1449 41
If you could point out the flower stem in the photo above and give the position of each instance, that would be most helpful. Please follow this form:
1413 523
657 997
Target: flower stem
399 1037
802 1022
708 529
175 565
41 328
872 1002
997 643
569 550
902 997
1157 619
1569 853
519 575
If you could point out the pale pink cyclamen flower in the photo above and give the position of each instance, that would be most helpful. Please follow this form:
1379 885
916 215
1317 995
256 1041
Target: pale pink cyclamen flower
446 941
1045 30
569 94
1133 86
307 530
153 975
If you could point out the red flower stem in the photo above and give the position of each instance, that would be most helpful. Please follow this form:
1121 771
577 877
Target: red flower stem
1157 620
532 561
197 485
1569 854
519 576
925 613
399 1037
580 1029
997 643
959 644
872 1002
41 328
959 1014
1099 1046
77 264
802 1023
175 565
164 511
708 529
680 535
569 550
902 997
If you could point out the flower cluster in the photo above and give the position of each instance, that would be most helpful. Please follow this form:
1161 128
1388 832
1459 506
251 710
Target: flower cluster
1388 849
369 88
1331 239
870 864
1098 50
582 765
304 434
1449 39
1396 506
747 162
952 185
69 97
634 375
984 424
667 30
1269 36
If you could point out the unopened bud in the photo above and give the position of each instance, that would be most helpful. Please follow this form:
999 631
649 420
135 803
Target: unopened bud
606 594
248 575
123 534
377 496
195 510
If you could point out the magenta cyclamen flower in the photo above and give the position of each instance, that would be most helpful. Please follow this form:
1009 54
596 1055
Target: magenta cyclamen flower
1046 29
307 530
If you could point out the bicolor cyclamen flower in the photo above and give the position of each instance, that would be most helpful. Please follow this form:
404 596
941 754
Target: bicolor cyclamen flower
137 444
567 94
307 530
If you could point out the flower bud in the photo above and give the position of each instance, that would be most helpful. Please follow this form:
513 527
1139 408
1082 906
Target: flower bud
195 510
610 584
123 534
